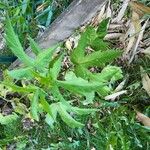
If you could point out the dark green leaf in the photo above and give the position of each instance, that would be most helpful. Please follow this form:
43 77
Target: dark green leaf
102 29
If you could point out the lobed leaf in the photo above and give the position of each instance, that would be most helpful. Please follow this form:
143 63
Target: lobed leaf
84 41
99 58
14 44
25 73
43 58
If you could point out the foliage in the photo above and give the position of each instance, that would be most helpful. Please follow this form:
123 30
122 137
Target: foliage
53 103
29 18
100 56
48 83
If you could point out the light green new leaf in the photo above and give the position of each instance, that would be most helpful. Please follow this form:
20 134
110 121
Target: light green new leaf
84 41
99 58
43 58
14 44
6 120
34 46
67 118
35 105
25 73
78 85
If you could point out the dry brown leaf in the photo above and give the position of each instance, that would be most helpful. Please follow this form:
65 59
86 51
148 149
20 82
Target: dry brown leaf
68 44
109 11
140 37
112 36
122 11
41 7
101 15
139 8
113 96
138 11
143 119
121 85
145 81
147 51
136 21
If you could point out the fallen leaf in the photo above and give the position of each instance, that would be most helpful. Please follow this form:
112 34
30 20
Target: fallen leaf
146 51
68 44
145 81
113 96
139 8
122 11
140 37
143 119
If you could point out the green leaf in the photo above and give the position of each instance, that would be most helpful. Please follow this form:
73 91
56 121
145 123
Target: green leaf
89 98
84 41
99 58
83 111
67 118
34 105
102 29
78 85
104 91
109 73
15 88
25 73
43 58
49 120
34 46
14 44
3 6
54 71
49 17
82 72
25 5
6 120
99 44
46 106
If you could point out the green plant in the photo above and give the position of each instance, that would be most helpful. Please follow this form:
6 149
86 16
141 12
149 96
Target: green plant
100 56
41 85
